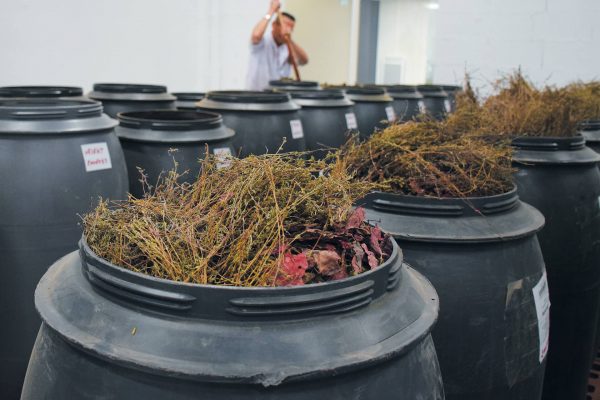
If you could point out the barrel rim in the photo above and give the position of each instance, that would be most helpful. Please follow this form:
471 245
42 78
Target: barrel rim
590 125
130 92
453 220
41 91
365 94
321 98
189 96
534 150
240 100
406 334
129 88
167 120
57 109
87 254
288 83
432 91
451 88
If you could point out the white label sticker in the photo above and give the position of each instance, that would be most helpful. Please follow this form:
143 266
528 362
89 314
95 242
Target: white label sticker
447 106
351 121
542 308
391 114
422 108
297 132
96 156
223 155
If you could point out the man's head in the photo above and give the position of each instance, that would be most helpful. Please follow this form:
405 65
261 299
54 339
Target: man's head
283 26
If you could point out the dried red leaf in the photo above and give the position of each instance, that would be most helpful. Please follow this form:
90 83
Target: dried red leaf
345 245
375 239
372 260
292 270
356 219
295 265
357 259
328 262
415 186
329 246
341 274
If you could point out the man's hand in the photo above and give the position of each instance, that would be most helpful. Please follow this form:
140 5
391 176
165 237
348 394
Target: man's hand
274 7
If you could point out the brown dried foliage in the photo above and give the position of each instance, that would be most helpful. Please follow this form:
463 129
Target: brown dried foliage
433 158
262 221
587 97
521 109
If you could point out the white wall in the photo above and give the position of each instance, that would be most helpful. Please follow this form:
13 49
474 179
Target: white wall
184 44
325 28
554 41
404 34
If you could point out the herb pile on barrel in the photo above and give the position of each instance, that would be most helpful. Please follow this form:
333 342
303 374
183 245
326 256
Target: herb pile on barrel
271 220
587 97
519 108
449 158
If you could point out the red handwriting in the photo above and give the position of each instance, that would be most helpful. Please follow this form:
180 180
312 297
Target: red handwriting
97 161
94 150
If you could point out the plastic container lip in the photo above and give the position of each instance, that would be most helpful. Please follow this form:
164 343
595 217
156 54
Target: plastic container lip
467 206
318 94
189 96
451 88
361 90
165 120
129 88
48 108
240 96
292 83
40 91
590 125
87 252
546 143
402 88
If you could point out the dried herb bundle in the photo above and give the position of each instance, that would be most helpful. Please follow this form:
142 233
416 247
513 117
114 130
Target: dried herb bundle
262 221
587 98
430 158
521 109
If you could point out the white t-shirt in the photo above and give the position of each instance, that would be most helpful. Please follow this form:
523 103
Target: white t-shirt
268 62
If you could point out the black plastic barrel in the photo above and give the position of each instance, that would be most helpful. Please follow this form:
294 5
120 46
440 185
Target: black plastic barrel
590 130
559 176
288 84
372 106
452 91
41 92
188 100
155 140
57 157
408 102
483 258
327 118
262 121
437 102
110 332
124 97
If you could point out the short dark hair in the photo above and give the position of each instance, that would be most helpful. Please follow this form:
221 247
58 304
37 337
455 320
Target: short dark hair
290 16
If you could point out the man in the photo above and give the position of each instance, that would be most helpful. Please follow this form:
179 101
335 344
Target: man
270 58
